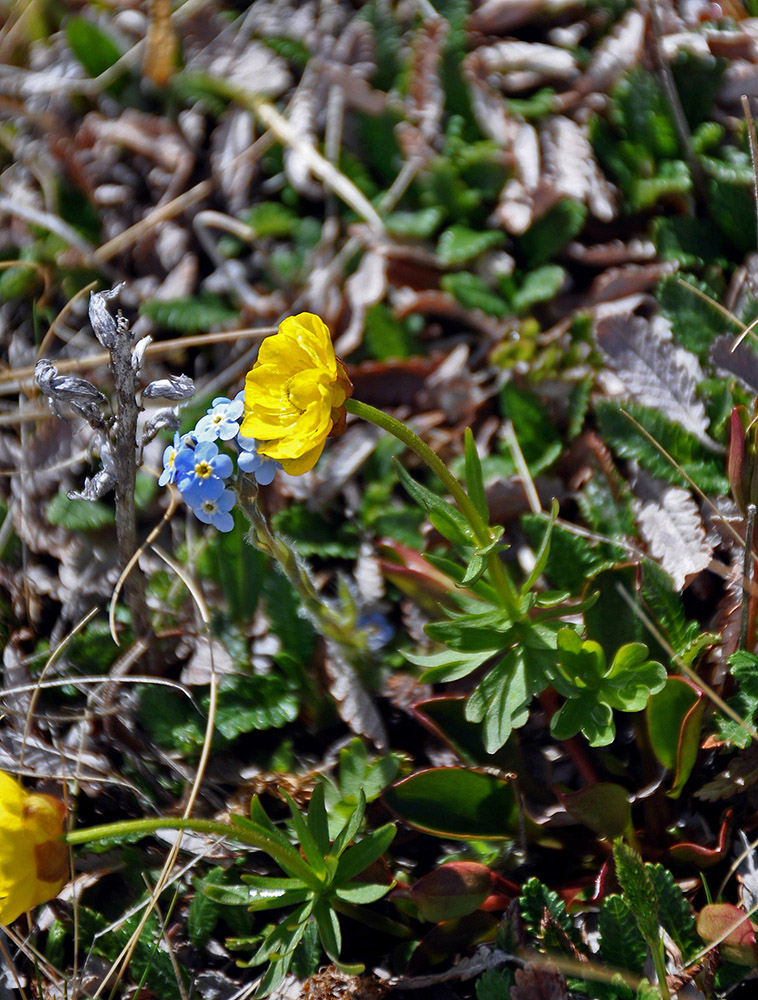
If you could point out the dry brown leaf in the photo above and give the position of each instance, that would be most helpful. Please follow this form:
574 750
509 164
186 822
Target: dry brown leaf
670 523
539 982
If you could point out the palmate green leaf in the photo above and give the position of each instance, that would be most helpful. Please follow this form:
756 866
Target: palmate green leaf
447 519
503 693
473 632
621 944
705 468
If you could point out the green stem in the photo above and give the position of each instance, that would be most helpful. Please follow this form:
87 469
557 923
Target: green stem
498 574
656 950
287 857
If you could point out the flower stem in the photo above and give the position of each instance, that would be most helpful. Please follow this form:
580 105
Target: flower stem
285 856
481 530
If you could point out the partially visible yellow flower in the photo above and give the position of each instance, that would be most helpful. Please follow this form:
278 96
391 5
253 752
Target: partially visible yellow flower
33 858
295 393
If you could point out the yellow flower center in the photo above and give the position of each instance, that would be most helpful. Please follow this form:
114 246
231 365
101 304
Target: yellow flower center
203 470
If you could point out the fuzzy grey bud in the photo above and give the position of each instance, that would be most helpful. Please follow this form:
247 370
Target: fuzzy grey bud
65 388
94 488
138 354
80 394
174 387
103 324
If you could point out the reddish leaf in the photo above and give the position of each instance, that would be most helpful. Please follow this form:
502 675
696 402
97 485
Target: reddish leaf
535 982
739 945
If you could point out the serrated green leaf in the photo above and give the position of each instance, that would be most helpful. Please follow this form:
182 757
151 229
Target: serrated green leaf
535 901
703 467
675 913
639 890
540 285
621 944
203 913
494 984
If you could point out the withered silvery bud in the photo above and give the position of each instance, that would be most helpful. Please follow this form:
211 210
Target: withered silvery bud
742 457
65 388
94 488
77 392
138 354
174 387
103 324
167 419
106 455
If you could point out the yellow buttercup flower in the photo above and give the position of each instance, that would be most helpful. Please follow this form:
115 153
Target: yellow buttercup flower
295 393
33 858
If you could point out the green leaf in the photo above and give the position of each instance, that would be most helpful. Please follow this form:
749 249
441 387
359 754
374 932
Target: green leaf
328 929
357 858
318 824
387 337
447 519
362 893
190 315
456 802
473 292
695 323
272 218
537 436
495 984
540 560
95 50
350 828
308 845
78 515
459 244
674 720
639 890
256 702
674 912
237 567
557 931
540 285
705 468
550 234
621 944
474 480
418 225
641 111
689 241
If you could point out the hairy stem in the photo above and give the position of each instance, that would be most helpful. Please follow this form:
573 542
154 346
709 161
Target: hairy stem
125 457
498 575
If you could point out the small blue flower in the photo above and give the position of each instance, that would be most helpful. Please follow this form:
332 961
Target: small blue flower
221 420
169 458
263 468
216 511
199 472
